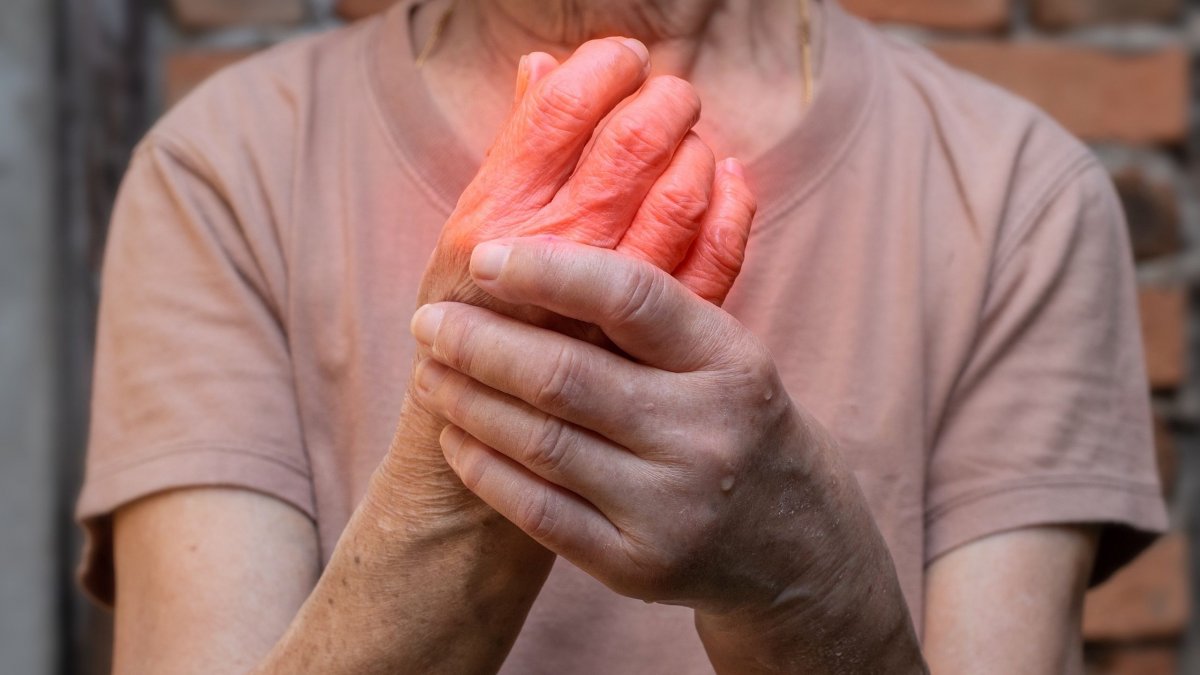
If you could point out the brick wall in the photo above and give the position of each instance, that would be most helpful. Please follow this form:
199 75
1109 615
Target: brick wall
1115 72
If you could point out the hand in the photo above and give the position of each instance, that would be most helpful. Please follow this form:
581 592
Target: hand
571 163
637 180
686 477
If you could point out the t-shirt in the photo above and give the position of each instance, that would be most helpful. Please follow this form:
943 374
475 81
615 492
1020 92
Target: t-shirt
940 271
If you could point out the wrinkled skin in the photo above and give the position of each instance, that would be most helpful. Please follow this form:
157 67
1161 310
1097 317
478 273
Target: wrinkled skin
594 153
638 181
646 473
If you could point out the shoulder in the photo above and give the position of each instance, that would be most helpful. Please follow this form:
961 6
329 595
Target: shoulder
240 138
972 112
1011 161
265 102
1008 157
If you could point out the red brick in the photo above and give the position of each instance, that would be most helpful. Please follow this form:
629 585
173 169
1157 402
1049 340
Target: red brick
201 14
1058 14
1164 313
1121 659
357 9
1152 209
982 15
1098 95
1147 600
185 70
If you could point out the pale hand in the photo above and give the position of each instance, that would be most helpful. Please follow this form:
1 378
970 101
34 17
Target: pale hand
685 475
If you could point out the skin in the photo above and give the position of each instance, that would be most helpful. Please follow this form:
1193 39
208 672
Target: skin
550 443
424 557
730 51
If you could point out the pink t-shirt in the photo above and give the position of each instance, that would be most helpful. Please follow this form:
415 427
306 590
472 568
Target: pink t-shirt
941 272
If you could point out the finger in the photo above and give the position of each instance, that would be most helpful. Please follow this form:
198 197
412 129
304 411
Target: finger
668 220
643 310
630 153
541 64
566 378
539 146
530 70
716 256
562 453
554 517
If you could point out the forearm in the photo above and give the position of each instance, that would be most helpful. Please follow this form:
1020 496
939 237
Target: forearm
1010 602
842 613
420 581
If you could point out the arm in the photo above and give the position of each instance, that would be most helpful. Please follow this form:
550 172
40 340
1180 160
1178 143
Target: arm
208 579
1010 603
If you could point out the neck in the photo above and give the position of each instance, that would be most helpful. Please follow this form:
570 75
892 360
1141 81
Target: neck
567 23
732 51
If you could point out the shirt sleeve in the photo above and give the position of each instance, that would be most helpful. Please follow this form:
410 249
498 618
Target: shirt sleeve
1049 421
193 380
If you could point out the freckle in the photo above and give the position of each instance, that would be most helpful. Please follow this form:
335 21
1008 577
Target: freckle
727 483
357 560
192 548
331 602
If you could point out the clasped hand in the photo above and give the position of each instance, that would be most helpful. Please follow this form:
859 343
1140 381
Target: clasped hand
676 474
587 386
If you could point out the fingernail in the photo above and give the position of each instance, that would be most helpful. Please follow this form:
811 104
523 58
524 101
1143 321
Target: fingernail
425 323
734 167
522 77
487 260
636 47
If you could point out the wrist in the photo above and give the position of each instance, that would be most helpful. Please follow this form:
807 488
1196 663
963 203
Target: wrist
839 608
854 623
397 591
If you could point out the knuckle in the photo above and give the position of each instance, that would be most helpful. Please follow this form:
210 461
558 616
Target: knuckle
679 201
720 263
636 140
454 344
753 377
639 297
744 203
461 399
537 516
752 365
560 388
679 92
560 108
472 470
547 451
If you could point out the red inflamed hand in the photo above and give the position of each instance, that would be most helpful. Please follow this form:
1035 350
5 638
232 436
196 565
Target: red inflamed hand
595 153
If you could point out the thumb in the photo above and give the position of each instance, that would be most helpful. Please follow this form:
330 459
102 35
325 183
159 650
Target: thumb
644 311
531 69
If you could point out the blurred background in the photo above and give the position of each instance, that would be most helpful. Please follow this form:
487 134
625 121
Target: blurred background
81 81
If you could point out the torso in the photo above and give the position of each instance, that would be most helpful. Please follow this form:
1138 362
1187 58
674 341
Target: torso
864 277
